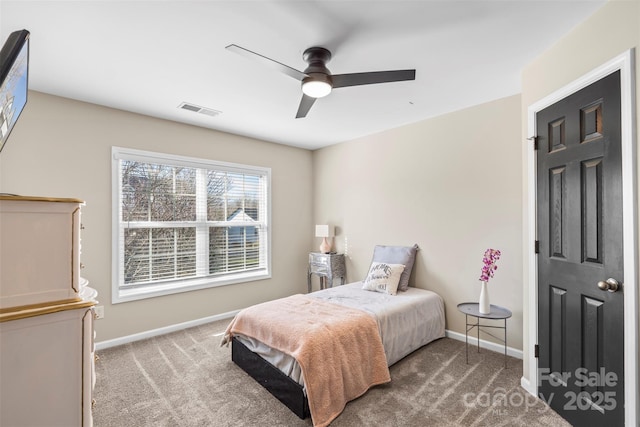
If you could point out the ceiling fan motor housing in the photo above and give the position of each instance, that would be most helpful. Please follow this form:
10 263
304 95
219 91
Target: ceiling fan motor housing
317 57
318 82
316 54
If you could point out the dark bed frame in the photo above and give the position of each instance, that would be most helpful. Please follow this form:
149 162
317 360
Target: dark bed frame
274 380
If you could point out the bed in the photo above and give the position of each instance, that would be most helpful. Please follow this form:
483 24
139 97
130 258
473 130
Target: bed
366 331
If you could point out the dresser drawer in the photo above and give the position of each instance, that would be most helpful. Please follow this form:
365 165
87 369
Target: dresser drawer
319 268
319 259
39 251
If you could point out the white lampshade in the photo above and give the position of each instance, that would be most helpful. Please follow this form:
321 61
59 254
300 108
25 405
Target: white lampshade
325 230
316 88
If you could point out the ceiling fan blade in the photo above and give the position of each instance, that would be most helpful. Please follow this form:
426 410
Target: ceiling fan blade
305 105
298 75
356 79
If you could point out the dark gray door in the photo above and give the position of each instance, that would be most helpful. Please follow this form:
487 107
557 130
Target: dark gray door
579 214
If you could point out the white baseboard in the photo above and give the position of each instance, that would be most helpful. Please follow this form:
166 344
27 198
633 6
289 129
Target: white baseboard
526 384
165 330
498 348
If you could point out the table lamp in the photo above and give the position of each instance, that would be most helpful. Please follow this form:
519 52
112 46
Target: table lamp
325 231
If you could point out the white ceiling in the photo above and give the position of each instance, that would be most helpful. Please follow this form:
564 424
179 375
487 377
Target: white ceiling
150 56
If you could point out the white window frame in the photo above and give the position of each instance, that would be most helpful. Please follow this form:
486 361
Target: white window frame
119 295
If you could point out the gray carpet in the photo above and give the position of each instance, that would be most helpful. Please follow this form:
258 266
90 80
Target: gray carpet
186 379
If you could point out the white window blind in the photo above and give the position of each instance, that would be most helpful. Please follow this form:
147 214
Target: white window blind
184 223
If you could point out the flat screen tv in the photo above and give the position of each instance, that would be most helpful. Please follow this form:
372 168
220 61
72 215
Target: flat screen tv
14 79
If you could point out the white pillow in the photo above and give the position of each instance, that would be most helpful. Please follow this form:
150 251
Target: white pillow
383 278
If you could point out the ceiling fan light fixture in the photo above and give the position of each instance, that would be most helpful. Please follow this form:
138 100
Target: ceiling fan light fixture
316 86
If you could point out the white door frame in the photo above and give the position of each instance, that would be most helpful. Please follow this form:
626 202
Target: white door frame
626 64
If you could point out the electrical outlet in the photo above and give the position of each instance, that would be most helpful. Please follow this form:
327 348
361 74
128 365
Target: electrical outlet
99 310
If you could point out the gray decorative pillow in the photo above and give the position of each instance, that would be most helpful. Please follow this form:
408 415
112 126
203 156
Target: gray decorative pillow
405 255
383 278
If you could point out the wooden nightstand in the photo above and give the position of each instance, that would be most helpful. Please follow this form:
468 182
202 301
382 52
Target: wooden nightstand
326 267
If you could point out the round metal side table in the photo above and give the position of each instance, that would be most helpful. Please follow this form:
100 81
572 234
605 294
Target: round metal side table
496 313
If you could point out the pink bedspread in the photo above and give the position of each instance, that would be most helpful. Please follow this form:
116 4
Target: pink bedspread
338 348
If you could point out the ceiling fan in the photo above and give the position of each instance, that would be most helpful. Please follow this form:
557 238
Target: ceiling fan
317 80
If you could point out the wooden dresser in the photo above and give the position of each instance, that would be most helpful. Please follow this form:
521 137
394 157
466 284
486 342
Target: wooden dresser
46 315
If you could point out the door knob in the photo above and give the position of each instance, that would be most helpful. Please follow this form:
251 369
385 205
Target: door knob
610 285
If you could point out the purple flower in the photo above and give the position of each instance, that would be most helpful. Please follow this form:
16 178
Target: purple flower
491 256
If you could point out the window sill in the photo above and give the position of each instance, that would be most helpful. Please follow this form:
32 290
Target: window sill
156 290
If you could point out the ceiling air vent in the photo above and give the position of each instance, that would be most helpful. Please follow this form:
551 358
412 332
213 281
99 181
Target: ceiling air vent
198 109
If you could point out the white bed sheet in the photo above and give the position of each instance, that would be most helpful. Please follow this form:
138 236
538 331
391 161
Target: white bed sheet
406 322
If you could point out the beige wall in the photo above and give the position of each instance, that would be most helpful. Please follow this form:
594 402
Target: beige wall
455 184
612 30
62 148
451 184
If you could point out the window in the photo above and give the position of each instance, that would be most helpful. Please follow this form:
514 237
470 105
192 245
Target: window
182 223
